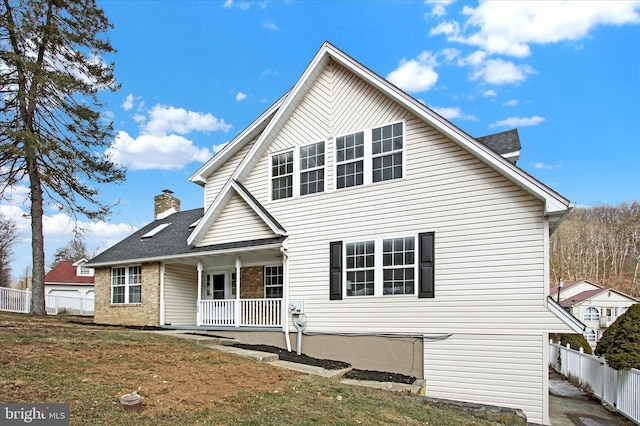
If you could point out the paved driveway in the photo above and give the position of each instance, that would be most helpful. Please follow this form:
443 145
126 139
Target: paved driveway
569 406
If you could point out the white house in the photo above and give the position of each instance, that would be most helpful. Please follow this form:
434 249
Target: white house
401 242
69 287
595 305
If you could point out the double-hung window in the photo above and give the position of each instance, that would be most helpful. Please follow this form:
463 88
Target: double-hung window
360 268
384 266
387 152
350 160
312 168
282 175
273 281
398 266
369 156
298 172
126 284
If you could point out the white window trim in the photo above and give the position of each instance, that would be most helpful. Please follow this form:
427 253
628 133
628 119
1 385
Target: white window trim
378 274
126 285
367 179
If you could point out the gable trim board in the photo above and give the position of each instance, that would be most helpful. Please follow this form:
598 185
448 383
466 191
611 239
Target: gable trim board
221 201
555 206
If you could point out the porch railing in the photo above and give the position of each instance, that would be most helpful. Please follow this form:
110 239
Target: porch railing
240 313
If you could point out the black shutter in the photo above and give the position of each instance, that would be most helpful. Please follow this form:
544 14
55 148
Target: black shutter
335 270
425 275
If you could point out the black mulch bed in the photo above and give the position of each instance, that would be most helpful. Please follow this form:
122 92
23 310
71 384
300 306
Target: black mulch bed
376 376
379 376
294 357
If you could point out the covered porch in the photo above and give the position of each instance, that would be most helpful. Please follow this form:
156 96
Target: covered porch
228 289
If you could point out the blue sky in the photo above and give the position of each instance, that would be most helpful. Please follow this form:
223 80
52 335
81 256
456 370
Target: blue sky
195 73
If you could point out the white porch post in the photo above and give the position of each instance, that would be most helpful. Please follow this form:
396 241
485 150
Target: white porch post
199 313
162 271
237 302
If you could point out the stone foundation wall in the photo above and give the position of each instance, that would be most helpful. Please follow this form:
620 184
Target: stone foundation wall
146 313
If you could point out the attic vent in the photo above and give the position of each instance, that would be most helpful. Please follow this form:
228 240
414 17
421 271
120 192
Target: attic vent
155 230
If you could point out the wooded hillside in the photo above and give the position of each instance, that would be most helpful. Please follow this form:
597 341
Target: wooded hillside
601 244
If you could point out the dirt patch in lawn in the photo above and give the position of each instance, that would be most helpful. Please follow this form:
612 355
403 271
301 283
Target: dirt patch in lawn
50 359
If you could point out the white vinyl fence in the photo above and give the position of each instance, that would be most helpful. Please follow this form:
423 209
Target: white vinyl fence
74 305
12 300
618 389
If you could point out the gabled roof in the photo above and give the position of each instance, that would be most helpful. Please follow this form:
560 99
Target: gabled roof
65 272
221 201
170 243
568 284
505 143
589 294
270 122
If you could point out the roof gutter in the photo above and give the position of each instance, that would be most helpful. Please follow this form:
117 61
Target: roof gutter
572 322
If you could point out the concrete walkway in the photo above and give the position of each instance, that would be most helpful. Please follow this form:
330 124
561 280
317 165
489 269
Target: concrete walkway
569 406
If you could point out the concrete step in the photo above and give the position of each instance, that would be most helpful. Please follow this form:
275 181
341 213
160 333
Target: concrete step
255 355
311 369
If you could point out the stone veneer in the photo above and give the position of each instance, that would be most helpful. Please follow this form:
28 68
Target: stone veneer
146 313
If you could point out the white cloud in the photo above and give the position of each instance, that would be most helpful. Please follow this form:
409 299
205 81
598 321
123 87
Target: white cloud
451 113
511 102
164 152
128 102
241 96
497 71
415 75
165 120
509 28
270 26
544 166
242 5
519 122
489 93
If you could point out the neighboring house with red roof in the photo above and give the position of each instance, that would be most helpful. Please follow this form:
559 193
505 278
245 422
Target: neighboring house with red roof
595 305
69 286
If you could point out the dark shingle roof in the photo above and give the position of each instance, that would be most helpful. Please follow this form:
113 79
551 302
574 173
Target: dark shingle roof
503 142
171 241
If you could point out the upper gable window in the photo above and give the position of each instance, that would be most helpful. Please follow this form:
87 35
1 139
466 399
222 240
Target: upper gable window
370 156
350 160
312 168
282 175
387 152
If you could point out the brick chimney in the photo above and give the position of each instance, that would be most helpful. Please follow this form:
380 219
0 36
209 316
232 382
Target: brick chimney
165 204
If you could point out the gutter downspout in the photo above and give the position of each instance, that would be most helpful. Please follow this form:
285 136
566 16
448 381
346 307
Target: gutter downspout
285 301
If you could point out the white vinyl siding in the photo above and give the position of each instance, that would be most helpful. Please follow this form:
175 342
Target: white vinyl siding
216 181
490 235
180 295
487 377
237 222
